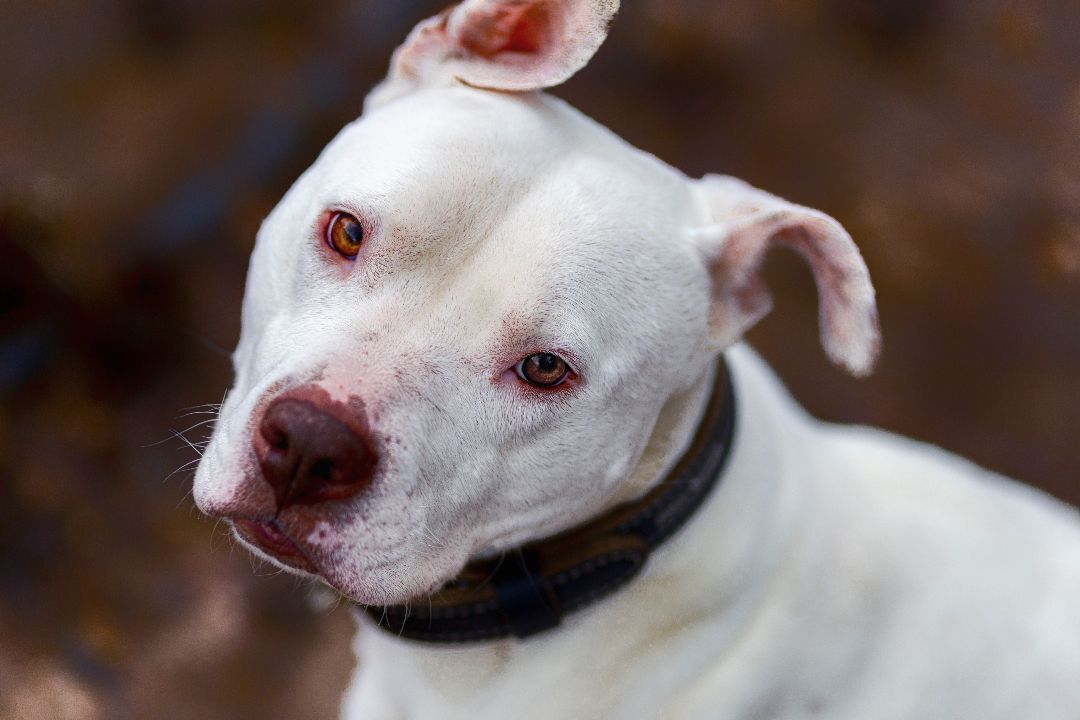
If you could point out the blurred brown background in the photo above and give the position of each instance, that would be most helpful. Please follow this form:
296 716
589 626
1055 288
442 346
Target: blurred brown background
142 142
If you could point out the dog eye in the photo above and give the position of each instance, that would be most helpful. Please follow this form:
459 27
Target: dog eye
543 370
345 234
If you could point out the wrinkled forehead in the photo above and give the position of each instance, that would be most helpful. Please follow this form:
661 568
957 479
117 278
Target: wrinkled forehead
454 151
513 217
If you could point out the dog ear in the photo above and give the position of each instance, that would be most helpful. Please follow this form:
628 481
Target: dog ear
745 223
514 45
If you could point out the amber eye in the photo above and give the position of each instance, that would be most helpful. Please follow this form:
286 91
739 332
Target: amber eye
345 234
543 370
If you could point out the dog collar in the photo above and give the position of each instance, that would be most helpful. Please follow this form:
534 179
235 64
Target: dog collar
531 588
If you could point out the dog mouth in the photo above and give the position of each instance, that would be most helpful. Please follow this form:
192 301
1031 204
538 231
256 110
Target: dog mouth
272 540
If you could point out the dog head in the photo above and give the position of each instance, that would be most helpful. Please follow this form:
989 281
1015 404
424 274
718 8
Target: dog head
463 322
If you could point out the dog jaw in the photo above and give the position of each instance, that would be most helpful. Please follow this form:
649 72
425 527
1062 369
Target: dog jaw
487 232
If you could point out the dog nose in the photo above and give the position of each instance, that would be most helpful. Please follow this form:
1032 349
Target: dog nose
312 454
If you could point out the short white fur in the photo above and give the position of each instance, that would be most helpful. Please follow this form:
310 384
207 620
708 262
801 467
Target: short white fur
835 573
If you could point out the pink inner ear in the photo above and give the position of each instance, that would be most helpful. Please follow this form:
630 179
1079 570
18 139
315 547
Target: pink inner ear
508 45
523 28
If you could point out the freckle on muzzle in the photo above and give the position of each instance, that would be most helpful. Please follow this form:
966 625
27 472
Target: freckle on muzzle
313 449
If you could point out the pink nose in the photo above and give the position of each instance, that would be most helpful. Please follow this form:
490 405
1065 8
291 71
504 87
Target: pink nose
315 450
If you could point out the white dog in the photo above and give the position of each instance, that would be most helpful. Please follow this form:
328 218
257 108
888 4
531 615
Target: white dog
490 385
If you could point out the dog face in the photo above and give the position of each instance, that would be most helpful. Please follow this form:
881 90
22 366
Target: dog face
463 321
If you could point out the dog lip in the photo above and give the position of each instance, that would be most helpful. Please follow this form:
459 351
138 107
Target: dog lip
269 537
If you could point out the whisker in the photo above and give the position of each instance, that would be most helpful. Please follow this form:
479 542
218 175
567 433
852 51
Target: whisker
207 421
191 413
190 492
494 570
190 444
204 406
404 619
210 345
180 433
183 467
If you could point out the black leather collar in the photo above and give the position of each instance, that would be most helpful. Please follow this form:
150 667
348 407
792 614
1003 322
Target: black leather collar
530 589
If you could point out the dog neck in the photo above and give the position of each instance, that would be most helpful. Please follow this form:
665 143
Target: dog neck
530 589
709 578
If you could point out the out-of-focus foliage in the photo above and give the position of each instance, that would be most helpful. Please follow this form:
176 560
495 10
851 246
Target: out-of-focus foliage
141 143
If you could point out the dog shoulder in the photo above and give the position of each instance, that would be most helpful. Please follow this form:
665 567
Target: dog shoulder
960 534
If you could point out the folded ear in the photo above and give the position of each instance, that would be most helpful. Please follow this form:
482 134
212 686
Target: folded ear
499 45
745 223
